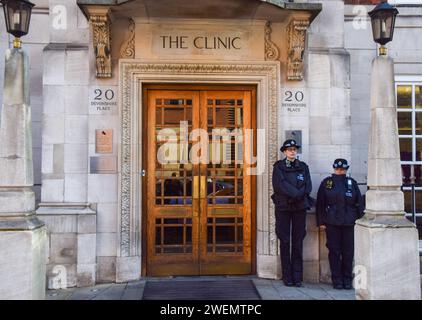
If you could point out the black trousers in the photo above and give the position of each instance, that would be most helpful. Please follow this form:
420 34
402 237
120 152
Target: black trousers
340 243
291 262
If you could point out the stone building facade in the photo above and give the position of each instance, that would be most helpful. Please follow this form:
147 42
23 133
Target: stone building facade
308 63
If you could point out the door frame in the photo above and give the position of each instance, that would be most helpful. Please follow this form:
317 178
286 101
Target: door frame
134 74
196 87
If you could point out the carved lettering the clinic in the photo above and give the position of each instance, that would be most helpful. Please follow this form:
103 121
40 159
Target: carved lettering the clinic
200 42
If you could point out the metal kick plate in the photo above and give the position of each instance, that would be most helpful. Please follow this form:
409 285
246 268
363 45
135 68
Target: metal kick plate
103 164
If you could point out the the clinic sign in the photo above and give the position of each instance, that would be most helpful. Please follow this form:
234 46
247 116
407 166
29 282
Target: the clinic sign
212 41
201 42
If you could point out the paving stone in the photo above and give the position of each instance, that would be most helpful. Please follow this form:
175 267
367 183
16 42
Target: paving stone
89 293
267 289
59 294
263 282
338 294
315 294
136 285
133 294
268 293
344 296
114 292
290 293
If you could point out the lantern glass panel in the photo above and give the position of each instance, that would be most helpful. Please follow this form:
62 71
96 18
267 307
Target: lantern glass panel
383 19
17 16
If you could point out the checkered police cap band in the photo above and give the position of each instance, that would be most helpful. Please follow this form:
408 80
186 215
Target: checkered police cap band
340 163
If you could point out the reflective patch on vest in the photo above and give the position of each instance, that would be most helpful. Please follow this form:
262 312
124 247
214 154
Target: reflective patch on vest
349 194
349 184
300 177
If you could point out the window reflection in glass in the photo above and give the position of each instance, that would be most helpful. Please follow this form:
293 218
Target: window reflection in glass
225 102
418 97
418 149
412 175
158 119
174 102
239 120
174 115
405 122
224 117
173 235
405 149
408 207
418 123
404 96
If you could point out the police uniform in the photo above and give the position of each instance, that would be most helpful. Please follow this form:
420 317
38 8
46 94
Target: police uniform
292 186
339 205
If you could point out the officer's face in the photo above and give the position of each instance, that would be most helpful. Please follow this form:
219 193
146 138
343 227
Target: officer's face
290 153
340 171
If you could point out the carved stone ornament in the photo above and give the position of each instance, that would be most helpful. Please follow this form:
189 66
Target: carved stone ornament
127 50
101 32
271 51
296 46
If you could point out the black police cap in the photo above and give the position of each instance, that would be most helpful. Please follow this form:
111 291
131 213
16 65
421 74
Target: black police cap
289 143
340 164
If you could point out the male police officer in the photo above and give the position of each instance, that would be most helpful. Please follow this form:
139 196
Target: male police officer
339 204
292 186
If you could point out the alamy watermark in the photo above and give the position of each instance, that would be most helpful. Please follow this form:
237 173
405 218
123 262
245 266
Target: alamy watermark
225 147
361 20
58 280
59 17
360 281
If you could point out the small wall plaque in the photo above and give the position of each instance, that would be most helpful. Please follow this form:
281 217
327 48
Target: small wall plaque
103 100
295 100
103 164
104 141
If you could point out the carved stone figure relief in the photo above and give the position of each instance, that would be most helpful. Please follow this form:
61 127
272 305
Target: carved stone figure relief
296 43
101 37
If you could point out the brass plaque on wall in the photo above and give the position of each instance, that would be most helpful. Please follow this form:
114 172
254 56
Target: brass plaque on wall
104 141
103 164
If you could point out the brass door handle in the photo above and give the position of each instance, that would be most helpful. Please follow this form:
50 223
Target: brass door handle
199 187
195 197
195 187
203 193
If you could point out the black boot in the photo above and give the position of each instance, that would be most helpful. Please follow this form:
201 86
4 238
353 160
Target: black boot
288 283
338 286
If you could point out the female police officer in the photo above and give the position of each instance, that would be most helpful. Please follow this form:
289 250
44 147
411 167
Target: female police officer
292 186
339 204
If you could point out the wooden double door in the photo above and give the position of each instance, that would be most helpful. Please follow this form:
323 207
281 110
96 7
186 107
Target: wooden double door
200 195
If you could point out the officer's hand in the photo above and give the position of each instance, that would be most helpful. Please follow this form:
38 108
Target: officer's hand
322 227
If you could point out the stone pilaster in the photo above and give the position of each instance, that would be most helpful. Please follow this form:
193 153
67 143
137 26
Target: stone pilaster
22 235
386 243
